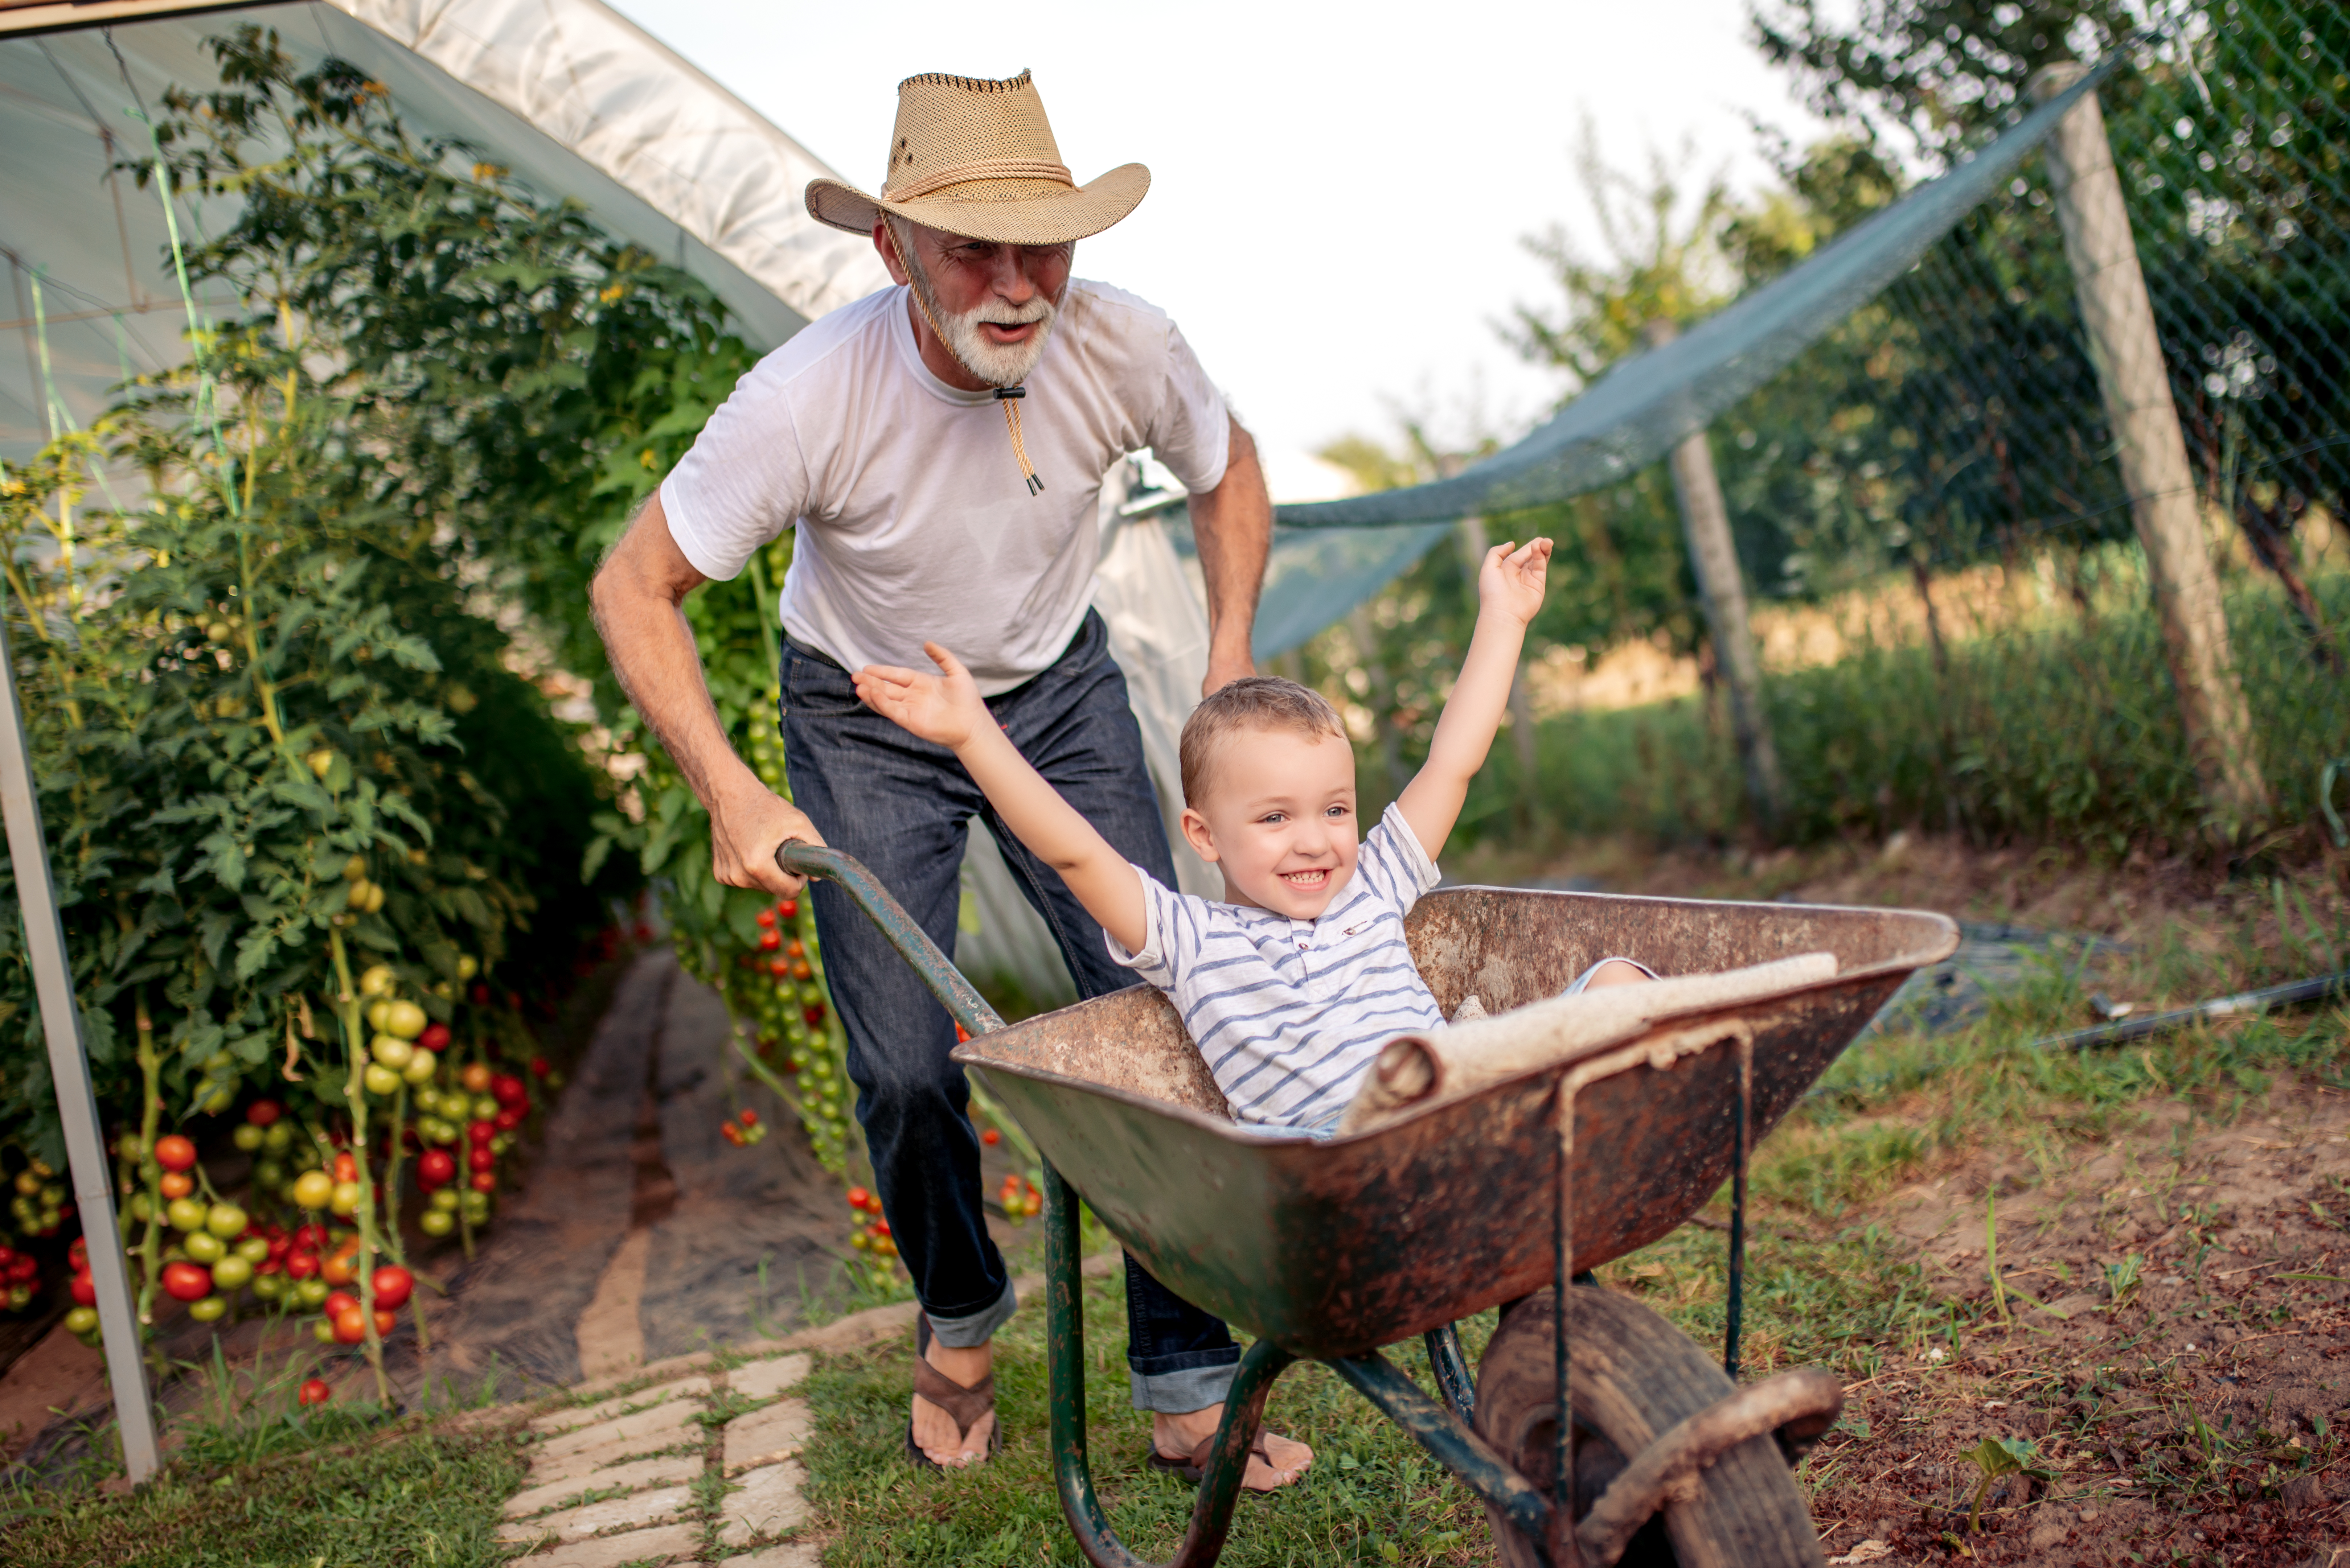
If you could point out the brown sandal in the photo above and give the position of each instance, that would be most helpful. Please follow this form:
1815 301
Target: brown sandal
964 1404
1195 1466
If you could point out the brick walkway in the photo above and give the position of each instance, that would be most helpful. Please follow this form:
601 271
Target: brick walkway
664 1468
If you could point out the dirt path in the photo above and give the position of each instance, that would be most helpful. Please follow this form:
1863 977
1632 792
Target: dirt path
2178 1356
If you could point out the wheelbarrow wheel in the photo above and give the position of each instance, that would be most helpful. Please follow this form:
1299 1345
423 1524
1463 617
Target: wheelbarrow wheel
1636 1376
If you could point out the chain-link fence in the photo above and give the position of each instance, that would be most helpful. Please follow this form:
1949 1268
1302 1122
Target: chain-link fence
1954 611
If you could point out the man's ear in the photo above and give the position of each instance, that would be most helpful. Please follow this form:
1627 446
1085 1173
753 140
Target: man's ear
888 252
1196 834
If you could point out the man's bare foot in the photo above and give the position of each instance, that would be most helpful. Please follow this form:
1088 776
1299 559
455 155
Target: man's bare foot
1178 1437
934 1429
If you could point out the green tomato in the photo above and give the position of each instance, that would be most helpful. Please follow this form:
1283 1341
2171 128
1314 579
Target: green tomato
232 1273
253 1249
142 1208
226 1220
443 1201
82 1320
215 1104
323 1331
381 1080
187 1214
313 1189
269 1287
211 1309
206 1248
436 1222
421 1065
277 1138
391 1050
312 1292
247 1137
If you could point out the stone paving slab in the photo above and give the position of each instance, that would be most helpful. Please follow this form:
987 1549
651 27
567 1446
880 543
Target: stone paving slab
769 1501
556 1422
613 1513
658 1427
605 1455
665 1545
765 1379
789 1554
674 1366
763 1437
669 1470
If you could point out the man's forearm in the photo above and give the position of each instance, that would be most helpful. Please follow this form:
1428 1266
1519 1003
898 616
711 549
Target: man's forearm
1232 526
653 654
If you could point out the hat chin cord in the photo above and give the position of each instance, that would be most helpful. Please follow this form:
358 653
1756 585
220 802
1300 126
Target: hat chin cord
1007 398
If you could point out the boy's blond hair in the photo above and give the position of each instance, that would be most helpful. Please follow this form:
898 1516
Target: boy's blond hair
1253 703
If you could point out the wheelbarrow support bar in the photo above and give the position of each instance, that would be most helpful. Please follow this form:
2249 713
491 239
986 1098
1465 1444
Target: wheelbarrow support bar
1064 1341
1451 1443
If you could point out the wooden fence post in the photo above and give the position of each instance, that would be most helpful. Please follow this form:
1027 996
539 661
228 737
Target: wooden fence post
1705 518
2127 354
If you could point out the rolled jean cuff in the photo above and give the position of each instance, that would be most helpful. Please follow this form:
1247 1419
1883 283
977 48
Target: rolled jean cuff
1184 1388
977 1328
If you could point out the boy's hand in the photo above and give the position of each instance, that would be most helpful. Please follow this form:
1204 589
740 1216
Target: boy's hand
944 709
1511 582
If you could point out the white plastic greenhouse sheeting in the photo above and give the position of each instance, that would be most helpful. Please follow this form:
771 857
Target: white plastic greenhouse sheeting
575 99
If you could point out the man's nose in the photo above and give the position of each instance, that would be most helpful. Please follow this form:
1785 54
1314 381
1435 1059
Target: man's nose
1011 282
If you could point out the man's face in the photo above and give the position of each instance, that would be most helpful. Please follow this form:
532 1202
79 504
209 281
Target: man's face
994 304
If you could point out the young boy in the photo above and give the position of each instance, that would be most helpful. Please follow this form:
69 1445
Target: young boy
1292 983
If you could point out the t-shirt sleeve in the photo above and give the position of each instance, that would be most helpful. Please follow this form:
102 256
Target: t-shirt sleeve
1166 926
1192 434
742 482
1393 864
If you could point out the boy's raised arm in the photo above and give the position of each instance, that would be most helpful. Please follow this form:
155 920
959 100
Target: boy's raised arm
1508 593
947 709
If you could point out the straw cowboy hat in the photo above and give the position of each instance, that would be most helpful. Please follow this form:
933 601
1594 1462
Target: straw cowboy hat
977 158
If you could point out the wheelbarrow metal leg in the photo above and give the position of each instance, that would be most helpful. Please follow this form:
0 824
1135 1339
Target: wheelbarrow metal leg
1064 1334
1451 1369
1743 1135
1449 1440
1559 1542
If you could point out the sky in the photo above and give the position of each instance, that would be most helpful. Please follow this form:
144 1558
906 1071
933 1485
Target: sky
1338 194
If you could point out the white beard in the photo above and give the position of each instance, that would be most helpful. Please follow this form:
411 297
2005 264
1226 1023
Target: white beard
997 364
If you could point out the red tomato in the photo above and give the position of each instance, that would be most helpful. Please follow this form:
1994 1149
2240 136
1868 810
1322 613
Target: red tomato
788 909
347 1168
506 1120
393 1286
173 1152
483 1182
435 1168
187 1282
386 1319
767 918
813 1014
338 1270
481 996
84 1291
301 1265
858 1197
176 1184
505 1087
24 1270
769 942
269 1266
316 1391
8 1254
435 1037
781 969
479 1158
350 1325
336 1301
750 1118
540 1067
263 1113
77 1254
881 1227
480 1132
731 1133
991 1137
795 950
309 1238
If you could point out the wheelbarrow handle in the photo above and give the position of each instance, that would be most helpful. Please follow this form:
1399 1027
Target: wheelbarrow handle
798 857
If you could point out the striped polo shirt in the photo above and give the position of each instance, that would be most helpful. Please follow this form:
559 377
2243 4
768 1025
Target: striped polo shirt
1291 1014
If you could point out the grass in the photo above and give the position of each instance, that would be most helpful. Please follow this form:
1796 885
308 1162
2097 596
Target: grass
2056 728
331 1487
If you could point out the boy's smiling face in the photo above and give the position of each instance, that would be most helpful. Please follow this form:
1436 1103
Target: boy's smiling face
1278 819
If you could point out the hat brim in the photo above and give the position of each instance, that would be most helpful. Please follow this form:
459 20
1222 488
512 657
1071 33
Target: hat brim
1007 211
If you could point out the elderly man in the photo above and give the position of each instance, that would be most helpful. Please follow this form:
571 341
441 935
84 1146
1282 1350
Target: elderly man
941 447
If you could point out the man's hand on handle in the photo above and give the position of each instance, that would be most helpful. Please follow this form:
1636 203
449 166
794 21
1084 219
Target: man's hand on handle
747 826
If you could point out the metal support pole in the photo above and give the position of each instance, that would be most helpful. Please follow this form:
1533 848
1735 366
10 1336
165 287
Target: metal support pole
1737 1305
1714 557
44 945
1562 1543
2127 354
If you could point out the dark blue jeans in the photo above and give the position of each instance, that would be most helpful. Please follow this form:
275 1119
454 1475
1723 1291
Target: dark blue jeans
903 807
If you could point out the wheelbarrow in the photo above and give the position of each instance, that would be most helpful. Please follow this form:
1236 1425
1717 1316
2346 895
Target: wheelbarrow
1333 1250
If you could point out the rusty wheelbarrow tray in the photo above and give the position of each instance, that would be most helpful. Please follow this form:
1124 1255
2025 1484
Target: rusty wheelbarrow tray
1330 1250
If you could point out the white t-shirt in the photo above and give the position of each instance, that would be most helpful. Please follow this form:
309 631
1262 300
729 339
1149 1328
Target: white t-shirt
915 523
